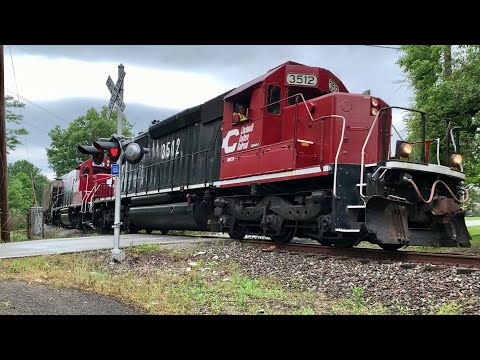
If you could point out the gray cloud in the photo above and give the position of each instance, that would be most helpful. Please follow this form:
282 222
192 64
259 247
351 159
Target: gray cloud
359 67
39 123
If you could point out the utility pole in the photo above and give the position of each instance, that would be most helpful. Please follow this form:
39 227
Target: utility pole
117 99
4 225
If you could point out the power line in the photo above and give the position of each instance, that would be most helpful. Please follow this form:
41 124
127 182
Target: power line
35 126
34 143
13 67
384 47
39 107
23 123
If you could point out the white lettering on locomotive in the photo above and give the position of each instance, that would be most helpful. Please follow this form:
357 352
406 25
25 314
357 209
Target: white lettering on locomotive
242 144
170 149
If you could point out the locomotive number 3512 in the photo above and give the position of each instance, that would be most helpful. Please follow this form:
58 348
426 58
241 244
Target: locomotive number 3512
302 79
170 149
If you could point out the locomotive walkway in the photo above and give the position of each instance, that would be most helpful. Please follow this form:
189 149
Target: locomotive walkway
71 245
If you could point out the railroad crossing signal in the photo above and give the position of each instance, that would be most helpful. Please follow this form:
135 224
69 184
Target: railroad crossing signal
117 92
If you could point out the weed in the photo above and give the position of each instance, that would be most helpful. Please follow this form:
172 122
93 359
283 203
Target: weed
304 311
4 304
403 310
448 309
144 249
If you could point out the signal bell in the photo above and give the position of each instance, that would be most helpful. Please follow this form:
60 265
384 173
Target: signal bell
134 153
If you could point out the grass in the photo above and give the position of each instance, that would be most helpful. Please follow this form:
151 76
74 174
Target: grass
4 304
472 218
49 233
144 249
357 305
18 235
448 309
161 279
169 289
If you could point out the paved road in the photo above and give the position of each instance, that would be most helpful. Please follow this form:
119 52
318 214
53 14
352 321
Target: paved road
69 245
472 222
20 298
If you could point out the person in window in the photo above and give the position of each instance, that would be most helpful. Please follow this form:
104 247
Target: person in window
241 115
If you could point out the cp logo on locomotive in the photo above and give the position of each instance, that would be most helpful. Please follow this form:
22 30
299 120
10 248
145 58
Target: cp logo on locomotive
230 148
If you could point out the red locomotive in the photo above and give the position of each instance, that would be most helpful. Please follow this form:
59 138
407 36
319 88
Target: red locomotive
290 153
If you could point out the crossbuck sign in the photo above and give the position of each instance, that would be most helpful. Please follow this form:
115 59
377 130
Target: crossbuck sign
117 92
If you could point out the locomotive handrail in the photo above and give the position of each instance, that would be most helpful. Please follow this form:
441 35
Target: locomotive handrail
438 151
454 143
172 159
338 149
362 162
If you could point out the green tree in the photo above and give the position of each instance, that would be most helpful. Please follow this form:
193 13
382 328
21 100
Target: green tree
20 196
446 83
31 171
63 154
13 118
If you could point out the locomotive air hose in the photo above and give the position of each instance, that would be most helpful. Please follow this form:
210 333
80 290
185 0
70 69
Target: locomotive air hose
432 192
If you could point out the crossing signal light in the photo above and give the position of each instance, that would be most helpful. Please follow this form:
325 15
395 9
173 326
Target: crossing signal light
113 148
97 155
134 152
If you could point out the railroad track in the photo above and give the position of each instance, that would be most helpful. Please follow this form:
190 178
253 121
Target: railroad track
469 261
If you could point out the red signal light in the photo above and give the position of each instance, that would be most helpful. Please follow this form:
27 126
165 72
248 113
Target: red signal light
113 152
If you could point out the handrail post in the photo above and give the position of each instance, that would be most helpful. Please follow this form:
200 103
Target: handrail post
338 149
384 136
423 138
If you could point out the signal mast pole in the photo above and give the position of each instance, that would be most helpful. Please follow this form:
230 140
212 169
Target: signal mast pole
117 100
118 254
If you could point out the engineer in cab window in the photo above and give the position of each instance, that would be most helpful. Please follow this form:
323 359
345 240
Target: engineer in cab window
241 114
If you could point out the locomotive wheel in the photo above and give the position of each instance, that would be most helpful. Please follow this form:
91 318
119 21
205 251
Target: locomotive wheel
390 247
285 237
238 233
164 232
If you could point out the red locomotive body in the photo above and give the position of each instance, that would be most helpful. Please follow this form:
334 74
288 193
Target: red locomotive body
72 195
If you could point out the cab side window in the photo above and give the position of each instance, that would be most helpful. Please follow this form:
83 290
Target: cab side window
273 99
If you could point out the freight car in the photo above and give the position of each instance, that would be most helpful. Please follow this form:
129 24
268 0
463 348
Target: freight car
307 159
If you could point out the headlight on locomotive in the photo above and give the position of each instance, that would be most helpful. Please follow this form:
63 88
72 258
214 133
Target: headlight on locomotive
404 149
456 161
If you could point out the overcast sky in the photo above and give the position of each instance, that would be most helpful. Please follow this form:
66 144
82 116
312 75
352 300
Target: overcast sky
60 83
